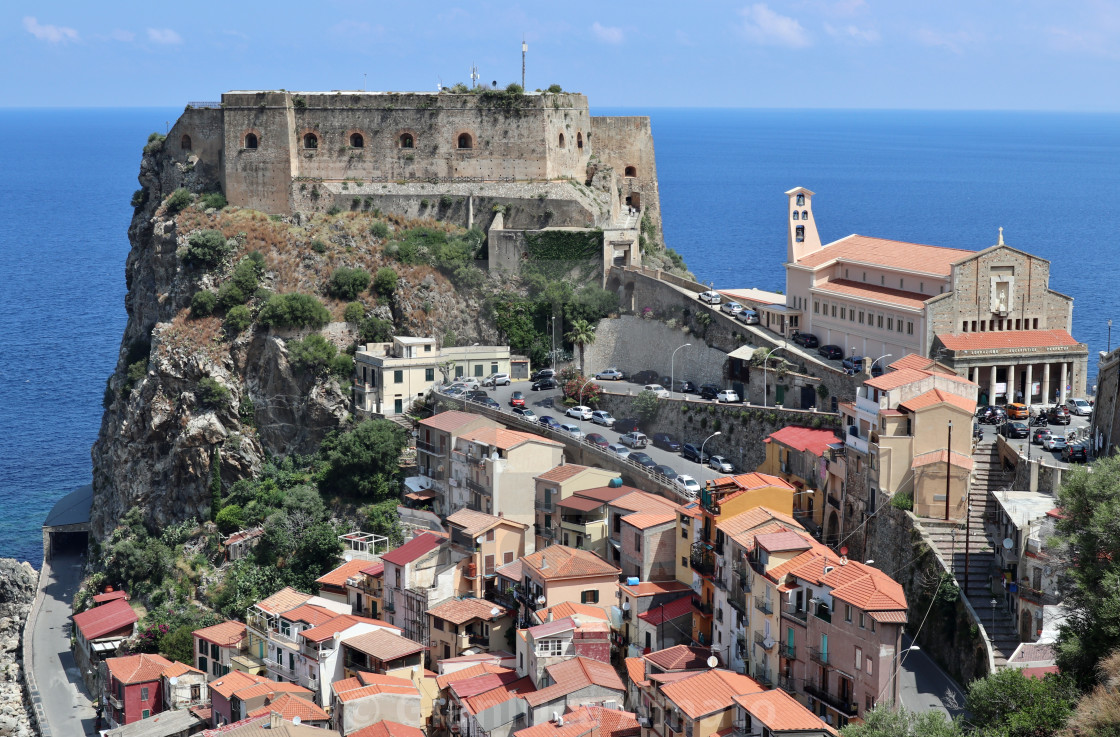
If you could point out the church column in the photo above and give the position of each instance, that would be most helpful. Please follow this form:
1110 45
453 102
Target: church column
1047 395
1027 393
992 384
1064 380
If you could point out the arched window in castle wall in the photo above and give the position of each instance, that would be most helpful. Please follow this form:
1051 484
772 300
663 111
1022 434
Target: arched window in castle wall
579 140
800 200
795 215
800 233
310 140
185 142
631 171
561 140
804 214
357 141
407 141
465 140
250 140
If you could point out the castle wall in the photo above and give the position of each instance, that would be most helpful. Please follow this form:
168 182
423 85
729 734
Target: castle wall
627 141
202 147
258 177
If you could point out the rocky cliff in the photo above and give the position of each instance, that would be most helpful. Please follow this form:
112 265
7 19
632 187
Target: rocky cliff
158 435
17 591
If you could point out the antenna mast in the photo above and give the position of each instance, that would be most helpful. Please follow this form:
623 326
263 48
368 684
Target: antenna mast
474 75
524 48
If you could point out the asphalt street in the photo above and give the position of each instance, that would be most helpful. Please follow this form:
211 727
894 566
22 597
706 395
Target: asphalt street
923 686
1077 423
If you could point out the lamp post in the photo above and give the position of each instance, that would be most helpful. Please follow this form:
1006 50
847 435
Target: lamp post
717 432
880 358
672 374
552 356
765 367
948 468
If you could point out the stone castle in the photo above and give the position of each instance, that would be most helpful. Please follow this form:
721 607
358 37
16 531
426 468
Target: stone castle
506 162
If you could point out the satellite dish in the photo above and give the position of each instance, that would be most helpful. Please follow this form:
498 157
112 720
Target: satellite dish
296 720
625 606
441 702
174 680
541 600
767 643
713 661
348 557
1007 543
478 540
495 612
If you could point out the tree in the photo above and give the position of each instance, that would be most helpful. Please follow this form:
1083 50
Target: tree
591 391
178 644
203 303
1098 713
215 484
314 354
238 318
354 313
882 721
229 519
207 248
1010 704
211 393
293 310
385 283
353 461
347 284
581 334
646 405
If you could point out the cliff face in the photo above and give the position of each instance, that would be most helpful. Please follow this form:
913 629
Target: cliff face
17 591
158 437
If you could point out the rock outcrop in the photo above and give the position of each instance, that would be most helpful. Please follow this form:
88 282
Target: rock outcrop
17 591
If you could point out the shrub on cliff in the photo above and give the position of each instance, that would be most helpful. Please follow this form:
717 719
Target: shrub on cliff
238 319
317 355
203 303
207 248
230 519
354 313
386 281
353 461
139 197
347 284
247 274
293 310
230 295
215 200
379 230
374 330
646 406
178 201
211 393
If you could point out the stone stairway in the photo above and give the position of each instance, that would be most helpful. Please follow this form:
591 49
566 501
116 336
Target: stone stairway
949 538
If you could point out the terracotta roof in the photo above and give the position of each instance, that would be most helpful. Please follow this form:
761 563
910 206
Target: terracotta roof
1007 339
781 712
680 657
910 257
511 571
226 634
101 620
895 617
137 668
753 518
560 561
270 689
646 520
110 596
580 720
385 728
474 523
376 689
341 623
569 608
562 473
642 501
936 396
311 614
580 504
651 588
177 669
383 645
290 707
809 439
751 481
606 493
377 569
234 681
903 376
665 612
458 611
1034 652
243 535
413 549
551 628
346 684
499 695
380 679
505 439
848 288
449 421
781 542
636 670
572 675
709 691
481 684
283 600
1041 671
916 361
938 456
338 576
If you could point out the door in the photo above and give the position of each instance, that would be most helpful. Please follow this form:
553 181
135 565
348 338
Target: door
398 406
780 396
808 397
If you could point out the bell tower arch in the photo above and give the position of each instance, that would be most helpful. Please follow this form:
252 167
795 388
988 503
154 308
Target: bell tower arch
803 236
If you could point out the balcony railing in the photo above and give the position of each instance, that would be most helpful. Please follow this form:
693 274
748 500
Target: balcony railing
704 609
822 612
819 656
794 611
840 704
786 683
277 667
765 676
788 651
477 487
1037 595
763 605
543 506
115 701
763 642
702 561
428 448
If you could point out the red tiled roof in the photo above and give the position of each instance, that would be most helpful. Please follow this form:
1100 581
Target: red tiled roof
938 456
101 620
346 684
636 670
642 501
651 588
449 421
606 493
177 669
562 473
848 288
1007 339
290 707
665 612
505 439
475 685
234 681
581 720
383 645
137 668
901 377
270 689
569 608
475 523
283 600
226 634
936 396
912 257
380 679
554 627
110 596
781 712
680 657
646 520
458 611
572 675
563 562
915 361
385 728
311 614
580 504
709 691
511 571
375 689
499 695
750 482
809 439
338 576
377 569
780 542
413 549
894 617
341 623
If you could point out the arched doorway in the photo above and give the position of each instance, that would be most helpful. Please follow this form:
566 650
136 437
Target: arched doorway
832 529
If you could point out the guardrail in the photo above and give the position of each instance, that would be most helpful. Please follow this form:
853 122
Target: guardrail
34 697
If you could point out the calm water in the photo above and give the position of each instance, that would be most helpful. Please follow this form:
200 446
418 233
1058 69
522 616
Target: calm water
943 178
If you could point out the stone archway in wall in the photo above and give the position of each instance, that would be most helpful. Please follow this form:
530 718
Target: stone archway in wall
1025 625
832 529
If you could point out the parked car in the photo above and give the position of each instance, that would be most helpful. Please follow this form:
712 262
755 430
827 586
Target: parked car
684 386
712 298
831 352
526 413
625 425
666 471
660 391
597 440
619 450
709 391
572 430
550 422
611 374
453 391
748 317
731 308
1079 406
665 441
876 369
1039 435
720 464
643 459
691 452
852 364
727 396
517 399
1054 442
634 440
1018 411
1011 429
806 340
544 384
580 412
1059 415
543 374
601 417
490 402
644 377
467 384
475 395
687 485
497 380
1075 453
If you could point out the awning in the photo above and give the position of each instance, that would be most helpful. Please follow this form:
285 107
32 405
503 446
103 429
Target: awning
743 352
104 647
416 483
420 496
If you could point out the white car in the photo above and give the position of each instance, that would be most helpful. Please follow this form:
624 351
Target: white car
727 396
601 417
580 413
619 450
497 380
732 308
466 384
660 391
611 374
1054 442
749 317
1079 406
720 464
572 430
712 298
687 485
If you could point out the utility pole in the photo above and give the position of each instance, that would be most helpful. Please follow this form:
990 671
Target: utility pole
474 75
524 48
948 468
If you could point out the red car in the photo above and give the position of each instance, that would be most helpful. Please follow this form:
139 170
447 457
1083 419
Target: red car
597 439
517 400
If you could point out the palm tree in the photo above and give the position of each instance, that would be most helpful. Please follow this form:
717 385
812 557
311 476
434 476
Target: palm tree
581 334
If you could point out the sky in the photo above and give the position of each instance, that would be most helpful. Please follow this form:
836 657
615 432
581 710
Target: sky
871 54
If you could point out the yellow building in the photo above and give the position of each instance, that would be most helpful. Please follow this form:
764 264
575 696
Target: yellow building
489 543
467 626
812 459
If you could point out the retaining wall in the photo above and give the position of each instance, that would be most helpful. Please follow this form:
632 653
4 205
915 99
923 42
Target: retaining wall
30 684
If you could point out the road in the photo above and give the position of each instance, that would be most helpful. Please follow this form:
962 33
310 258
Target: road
66 702
1080 424
923 686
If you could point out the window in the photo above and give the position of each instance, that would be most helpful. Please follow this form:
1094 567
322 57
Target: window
550 647
398 406
834 310
847 612
202 664
591 596
909 327
357 141
507 557
800 200
185 142
310 140
429 374
816 307
804 214
493 368
215 653
144 693
465 140
890 323
868 668
921 286
799 233
196 692
427 347
398 376
865 276
862 620
880 321
901 282
638 541
861 317
202 647
478 370
561 140
684 562
852 314
407 141
437 624
579 139
843 312
489 536
631 171
796 215
859 658
145 714
250 140
845 273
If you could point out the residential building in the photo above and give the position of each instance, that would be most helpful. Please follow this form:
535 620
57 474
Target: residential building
289 707
388 728
273 724
774 713
576 682
486 709
558 484
184 688
699 703
547 644
236 694
418 575
133 687
100 631
989 315
589 721
390 376
332 585
649 545
285 660
381 651
487 542
654 563
455 688
655 614
584 519
263 618
912 426
320 662
459 626
1105 421
585 612
239 544
812 459
497 467
215 647
1025 523
558 573
365 588
497 658
368 698
435 440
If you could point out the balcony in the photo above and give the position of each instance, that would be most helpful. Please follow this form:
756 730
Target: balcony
855 442
115 701
761 642
869 407
787 651
704 609
478 488
1038 596
822 612
798 613
276 635
819 656
702 561
543 506
278 668
428 448
763 605
764 676
676 727
787 683
839 703
309 682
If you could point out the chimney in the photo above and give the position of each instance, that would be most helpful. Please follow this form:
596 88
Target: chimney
274 720
544 562
501 514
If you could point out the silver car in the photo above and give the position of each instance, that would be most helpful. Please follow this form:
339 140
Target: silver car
612 374
619 450
712 298
720 464
601 417
732 308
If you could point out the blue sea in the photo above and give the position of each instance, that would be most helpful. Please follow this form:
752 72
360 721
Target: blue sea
944 178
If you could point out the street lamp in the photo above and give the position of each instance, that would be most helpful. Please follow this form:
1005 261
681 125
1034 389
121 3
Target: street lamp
717 432
880 358
765 367
672 375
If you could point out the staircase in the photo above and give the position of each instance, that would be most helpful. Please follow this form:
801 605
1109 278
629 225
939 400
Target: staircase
949 538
